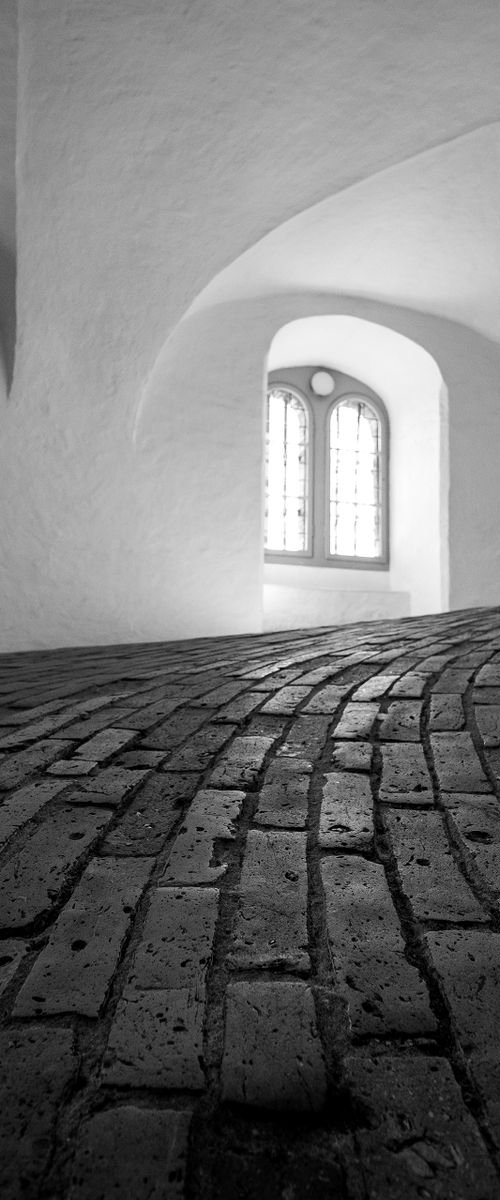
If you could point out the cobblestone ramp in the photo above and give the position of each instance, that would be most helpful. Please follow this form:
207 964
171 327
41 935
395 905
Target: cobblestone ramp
249 917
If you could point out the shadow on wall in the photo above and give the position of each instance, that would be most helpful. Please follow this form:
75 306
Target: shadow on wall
7 312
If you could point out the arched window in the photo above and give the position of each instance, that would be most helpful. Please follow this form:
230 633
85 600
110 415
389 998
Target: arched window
326 471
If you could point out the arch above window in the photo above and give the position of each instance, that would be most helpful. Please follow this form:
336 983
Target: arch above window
326 471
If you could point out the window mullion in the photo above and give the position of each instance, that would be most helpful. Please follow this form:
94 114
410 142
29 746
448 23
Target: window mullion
319 492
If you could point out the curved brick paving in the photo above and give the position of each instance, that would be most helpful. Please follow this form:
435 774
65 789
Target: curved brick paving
249 914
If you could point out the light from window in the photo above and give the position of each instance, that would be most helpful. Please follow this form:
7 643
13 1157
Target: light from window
286 521
355 480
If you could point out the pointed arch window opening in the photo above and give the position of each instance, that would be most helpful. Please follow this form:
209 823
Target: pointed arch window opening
326 476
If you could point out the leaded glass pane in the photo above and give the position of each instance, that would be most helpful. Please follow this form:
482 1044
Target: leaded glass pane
355 480
287 452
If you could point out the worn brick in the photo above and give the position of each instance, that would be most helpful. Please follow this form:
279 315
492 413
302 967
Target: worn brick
433 664
477 825
272 1052
410 686
103 745
72 767
352 756
286 700
176 730
200 751
487 718
111 786
430 877
239 708
446 713
176 943
37 1066
418 1139
131 1151
74 971
223 694
357 721
488 676
147 822
457 765
141 758
453 681
405 777
346 818
401 722
156 1040
54 721
327 700
467 963
283 799
384 992
12 953
305 739
150 715
31 881
271 925
486 695
87 726
24 804
485 1071
241 764
15 768
374 688
211 815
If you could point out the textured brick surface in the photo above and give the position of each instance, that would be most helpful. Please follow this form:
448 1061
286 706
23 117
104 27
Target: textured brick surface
74 971
147 821
401 722
475 826
30 882
24 804
305 738
211 816
241 764
271 926
422 1141
384 992
430 877
352 756
405 777
177 937
131 1151
37 1066
18 767
157 1040
324 1016
283 796
272 1052
357 721
346 812
457 764
446 713
460 957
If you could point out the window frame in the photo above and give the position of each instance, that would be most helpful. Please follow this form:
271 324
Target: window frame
296 380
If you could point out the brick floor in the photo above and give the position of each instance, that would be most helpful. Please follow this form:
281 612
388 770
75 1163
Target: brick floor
250 916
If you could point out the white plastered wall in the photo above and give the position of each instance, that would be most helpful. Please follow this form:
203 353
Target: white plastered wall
156 144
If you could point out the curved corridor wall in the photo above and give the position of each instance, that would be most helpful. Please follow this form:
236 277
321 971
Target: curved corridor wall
155 144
